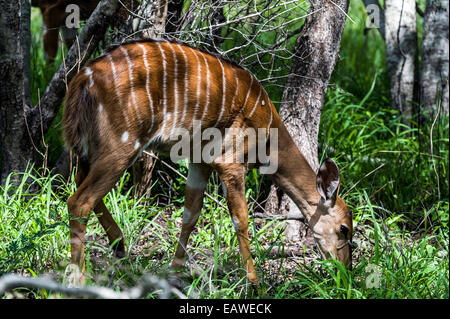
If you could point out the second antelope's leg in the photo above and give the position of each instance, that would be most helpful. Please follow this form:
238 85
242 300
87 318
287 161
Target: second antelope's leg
69 35
53 18
233 176
106 220
195 188
98 182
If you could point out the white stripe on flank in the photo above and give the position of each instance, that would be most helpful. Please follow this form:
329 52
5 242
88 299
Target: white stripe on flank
256 104
236 79
185 96
124 137
137 144
175 87
205 110
124 111
199 81
91 79
147 85
248 93
130 74
224 88
164 89
270 122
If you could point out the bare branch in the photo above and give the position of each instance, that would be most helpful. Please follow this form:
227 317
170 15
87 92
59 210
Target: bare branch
148 284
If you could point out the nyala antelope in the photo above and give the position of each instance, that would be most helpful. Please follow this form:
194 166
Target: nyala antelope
132 97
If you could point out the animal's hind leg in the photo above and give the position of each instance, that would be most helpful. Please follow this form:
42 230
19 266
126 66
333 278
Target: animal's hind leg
98 182
106 220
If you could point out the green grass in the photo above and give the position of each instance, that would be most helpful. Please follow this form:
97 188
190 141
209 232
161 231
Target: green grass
401 223
412 264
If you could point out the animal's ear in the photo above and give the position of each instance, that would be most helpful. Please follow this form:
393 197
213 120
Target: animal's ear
328 180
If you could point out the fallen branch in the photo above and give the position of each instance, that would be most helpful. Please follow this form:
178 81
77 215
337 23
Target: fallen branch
289 216
149 284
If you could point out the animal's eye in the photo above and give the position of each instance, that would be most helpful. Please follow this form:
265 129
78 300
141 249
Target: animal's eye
350 213
344 230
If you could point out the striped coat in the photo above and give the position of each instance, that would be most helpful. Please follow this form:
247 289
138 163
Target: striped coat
139 93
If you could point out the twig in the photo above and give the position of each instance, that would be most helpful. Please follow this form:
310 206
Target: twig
354 185
185 178
344 12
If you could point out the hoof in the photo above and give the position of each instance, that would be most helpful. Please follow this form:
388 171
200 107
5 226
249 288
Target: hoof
119 249
176 264
73 277
253 280
175 280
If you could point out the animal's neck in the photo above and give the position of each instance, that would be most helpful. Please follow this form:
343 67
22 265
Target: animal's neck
294 175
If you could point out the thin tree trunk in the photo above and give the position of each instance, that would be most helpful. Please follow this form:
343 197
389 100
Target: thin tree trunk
435 57
401 53
142 175
156 16
16 145
316 52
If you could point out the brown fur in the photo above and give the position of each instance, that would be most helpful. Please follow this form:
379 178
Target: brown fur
108 118
79 119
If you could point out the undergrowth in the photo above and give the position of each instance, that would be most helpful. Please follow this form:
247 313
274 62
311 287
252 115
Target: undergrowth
401 223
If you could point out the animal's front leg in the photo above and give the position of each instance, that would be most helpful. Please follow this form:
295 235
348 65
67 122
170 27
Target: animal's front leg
234 179
195 188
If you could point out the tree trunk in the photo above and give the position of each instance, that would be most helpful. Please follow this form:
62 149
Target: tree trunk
435 60
401 53
155 14
16 145
316 52
142 176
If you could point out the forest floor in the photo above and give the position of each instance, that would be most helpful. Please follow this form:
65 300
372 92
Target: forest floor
37 243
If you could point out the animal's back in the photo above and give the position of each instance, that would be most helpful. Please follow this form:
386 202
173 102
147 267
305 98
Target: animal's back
139 93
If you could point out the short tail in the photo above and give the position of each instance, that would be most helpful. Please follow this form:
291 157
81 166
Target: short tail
79 119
